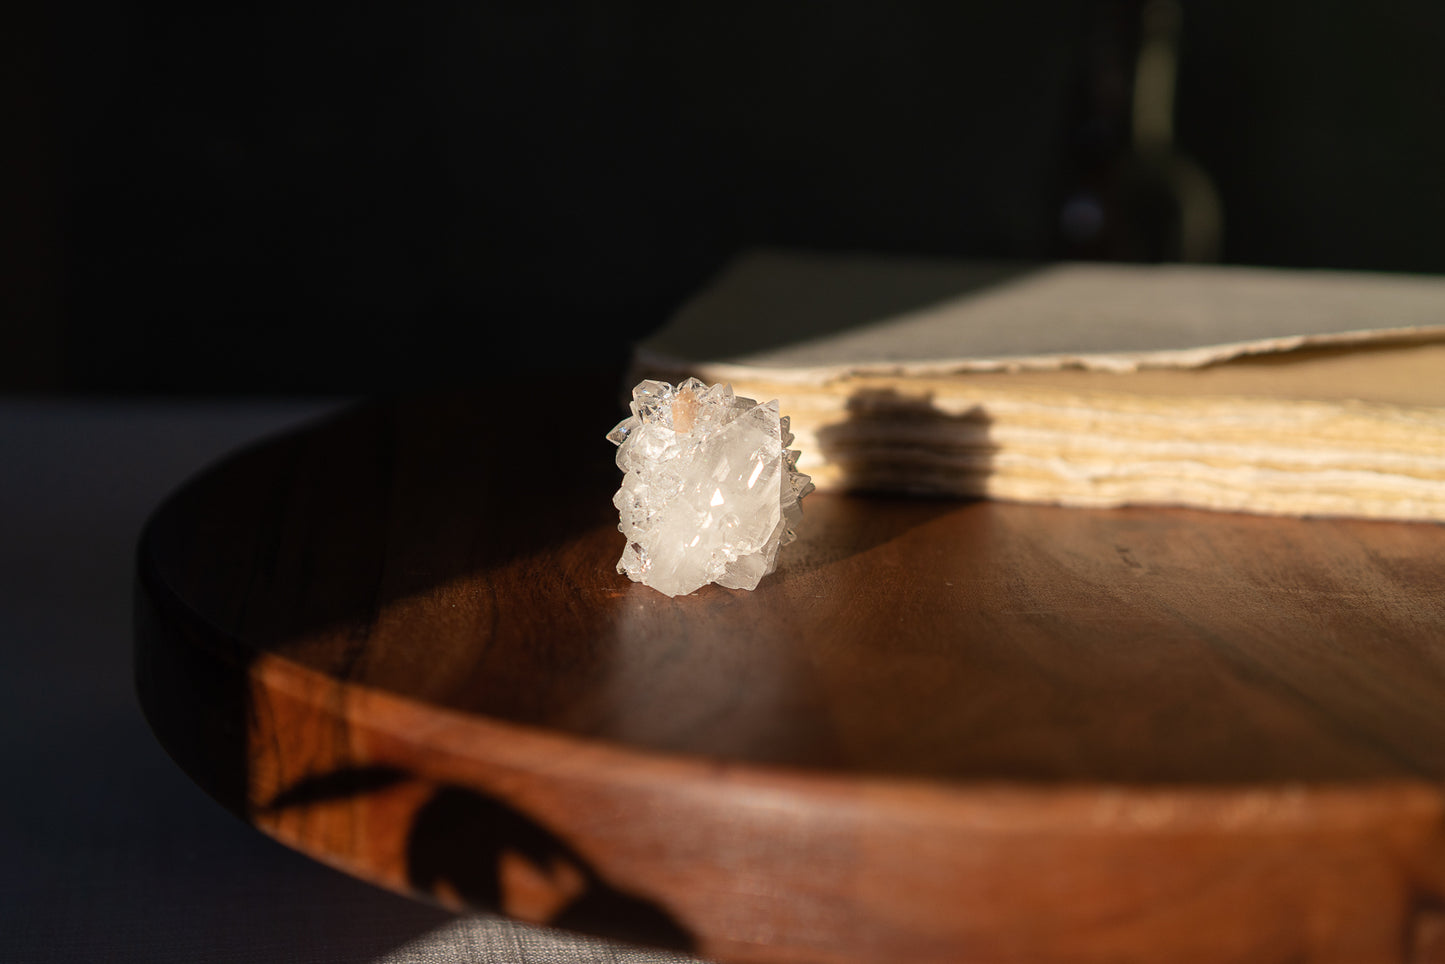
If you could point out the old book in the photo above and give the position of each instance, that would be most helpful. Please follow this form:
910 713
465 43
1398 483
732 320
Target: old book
1259 390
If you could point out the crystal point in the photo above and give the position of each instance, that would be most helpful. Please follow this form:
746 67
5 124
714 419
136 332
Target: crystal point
710 490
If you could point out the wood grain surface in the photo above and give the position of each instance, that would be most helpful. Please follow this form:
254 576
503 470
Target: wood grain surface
941 731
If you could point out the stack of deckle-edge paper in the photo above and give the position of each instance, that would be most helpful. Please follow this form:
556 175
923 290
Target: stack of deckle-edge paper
1244 389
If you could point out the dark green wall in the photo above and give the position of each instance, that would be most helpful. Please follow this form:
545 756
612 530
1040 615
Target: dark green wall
265 198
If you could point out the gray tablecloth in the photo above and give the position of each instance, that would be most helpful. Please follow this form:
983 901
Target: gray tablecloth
107 851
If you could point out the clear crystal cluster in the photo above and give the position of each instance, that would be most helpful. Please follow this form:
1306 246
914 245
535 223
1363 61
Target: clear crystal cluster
711 489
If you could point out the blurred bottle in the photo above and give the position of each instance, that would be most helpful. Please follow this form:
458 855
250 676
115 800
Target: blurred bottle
1132 195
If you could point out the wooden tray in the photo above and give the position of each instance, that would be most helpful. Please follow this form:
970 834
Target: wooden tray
941 731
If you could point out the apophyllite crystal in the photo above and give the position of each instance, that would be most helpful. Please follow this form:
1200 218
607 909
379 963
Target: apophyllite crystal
711 489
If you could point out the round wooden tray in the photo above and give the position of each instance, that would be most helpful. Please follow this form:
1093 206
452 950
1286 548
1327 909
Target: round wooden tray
397 642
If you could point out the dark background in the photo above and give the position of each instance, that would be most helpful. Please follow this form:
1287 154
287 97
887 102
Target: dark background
272 198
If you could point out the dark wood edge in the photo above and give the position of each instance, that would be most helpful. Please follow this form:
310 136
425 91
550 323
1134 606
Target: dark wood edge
684 851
